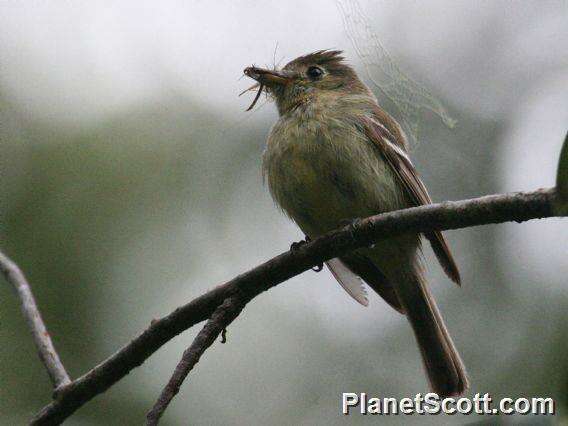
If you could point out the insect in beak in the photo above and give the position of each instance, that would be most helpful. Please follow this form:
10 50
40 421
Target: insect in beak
267 77
258 93
264 77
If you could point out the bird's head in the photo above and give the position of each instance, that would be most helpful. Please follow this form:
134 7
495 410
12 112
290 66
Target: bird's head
320 74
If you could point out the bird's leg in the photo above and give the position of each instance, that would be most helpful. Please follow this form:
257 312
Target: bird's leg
353 224
296 245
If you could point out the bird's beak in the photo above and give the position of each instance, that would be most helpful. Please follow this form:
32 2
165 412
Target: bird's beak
267 77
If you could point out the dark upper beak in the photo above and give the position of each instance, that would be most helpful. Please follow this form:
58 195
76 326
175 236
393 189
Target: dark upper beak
267 77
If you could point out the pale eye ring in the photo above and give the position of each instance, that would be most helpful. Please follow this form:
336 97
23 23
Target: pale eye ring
314 72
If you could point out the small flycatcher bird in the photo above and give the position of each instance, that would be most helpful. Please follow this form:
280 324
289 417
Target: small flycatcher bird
333 156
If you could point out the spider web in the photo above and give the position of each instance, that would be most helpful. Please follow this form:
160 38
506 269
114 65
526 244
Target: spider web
409 97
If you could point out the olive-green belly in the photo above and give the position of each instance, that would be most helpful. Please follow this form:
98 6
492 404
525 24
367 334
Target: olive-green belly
321 184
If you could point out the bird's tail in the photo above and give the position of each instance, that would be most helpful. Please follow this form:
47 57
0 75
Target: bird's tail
444 367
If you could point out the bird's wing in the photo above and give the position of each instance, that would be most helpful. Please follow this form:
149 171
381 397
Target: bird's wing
352 269
350 282
386 135
374 277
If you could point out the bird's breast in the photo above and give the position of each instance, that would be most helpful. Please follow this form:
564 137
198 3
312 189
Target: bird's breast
323 172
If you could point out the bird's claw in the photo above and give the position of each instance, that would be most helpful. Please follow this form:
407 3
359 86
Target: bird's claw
353 223
297 244
318 268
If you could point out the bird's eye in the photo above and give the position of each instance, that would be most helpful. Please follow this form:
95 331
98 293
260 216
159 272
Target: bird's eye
315 72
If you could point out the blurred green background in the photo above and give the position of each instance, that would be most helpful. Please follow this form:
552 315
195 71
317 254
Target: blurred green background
130 183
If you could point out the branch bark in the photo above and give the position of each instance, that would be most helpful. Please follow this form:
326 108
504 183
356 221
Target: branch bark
46 351
518 207
226 313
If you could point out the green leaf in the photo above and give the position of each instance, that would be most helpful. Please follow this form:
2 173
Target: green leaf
561 205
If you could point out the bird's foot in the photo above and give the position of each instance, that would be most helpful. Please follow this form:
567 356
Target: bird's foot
318 268
296 245
353 222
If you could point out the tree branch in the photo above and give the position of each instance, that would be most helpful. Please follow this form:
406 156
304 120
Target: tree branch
226 313
516 207
46 350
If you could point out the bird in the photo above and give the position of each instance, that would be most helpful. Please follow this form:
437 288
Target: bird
333 156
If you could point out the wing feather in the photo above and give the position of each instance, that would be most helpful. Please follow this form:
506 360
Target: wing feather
374 277
350 282
392 145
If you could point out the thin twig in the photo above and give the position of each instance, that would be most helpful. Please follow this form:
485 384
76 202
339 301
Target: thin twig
226 313
46 350
518 207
